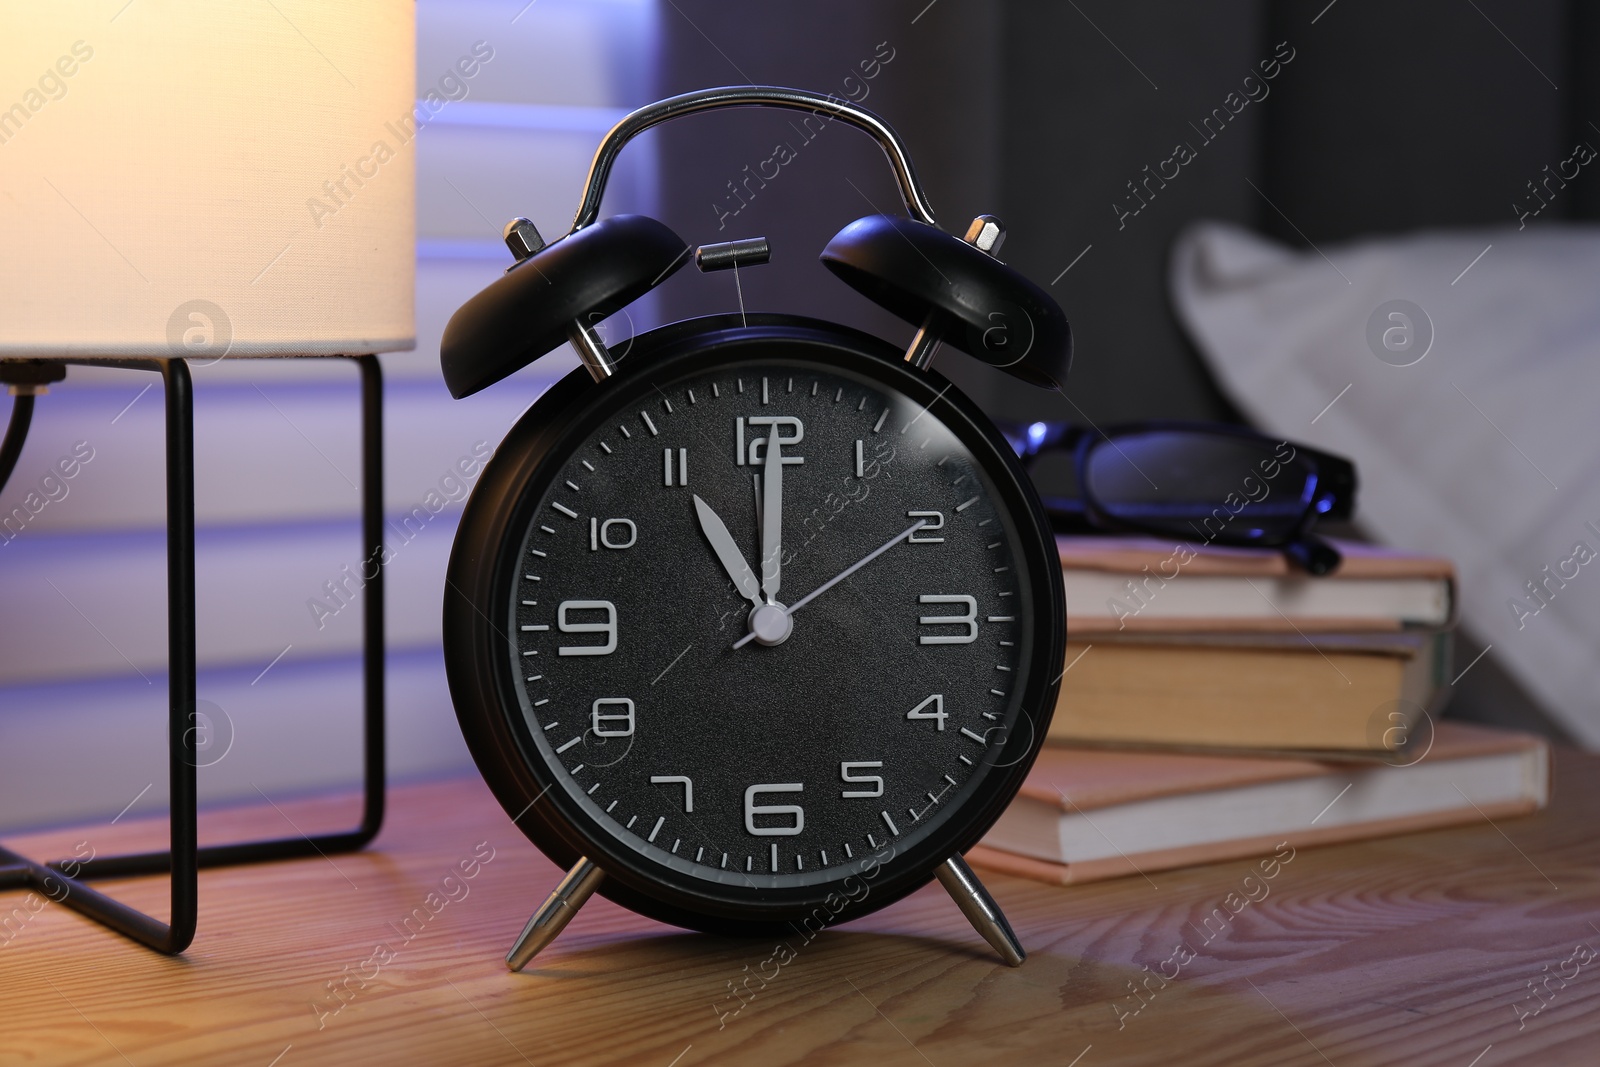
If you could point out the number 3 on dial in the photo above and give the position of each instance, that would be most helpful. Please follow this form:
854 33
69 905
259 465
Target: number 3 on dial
967 619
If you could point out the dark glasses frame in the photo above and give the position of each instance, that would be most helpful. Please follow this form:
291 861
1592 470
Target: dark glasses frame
1328 492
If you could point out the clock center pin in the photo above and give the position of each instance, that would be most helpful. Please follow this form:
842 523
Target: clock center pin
770 623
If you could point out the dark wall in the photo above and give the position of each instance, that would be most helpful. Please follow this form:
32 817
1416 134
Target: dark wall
1096 93
941 90
1389 117
1417 115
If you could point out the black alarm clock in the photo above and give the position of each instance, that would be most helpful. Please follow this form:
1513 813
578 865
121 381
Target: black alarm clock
756 622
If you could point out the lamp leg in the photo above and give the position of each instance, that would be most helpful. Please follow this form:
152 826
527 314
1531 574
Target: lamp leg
980 909
554 914
183 858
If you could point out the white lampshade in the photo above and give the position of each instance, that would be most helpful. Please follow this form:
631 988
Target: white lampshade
206 176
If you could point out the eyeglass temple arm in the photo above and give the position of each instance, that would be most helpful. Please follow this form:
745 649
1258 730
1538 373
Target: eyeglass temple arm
1313 555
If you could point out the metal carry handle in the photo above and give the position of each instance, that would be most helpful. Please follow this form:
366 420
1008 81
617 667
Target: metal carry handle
637 122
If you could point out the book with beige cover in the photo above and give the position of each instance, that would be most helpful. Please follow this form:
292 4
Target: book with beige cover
1355 692
1089 814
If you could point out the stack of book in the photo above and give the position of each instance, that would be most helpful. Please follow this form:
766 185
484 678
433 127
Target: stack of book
1218 703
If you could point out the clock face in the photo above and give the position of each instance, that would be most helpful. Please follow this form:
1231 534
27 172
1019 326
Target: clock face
752 718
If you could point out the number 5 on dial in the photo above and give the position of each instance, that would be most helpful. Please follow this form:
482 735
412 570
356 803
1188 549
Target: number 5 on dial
847 773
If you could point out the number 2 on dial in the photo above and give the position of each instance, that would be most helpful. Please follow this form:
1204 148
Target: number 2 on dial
932 520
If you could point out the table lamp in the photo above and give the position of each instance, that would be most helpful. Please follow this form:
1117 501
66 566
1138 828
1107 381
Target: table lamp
198 181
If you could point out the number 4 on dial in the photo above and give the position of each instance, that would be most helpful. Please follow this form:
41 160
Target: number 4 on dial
937 714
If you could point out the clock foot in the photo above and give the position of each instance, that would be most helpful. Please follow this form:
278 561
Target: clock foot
980 909
558 910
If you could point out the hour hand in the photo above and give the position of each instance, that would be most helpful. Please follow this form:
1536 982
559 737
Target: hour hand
727 552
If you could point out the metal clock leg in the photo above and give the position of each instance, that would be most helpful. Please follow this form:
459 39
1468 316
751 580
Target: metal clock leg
980 909
557 910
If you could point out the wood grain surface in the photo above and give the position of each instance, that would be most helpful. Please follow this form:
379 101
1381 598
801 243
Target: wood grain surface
1417 950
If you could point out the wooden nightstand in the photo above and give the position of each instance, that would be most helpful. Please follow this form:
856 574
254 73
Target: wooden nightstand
1410 950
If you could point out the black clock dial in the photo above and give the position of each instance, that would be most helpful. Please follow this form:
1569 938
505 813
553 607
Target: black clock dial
889 682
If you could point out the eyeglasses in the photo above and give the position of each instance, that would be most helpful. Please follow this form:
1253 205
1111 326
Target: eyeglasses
1205 482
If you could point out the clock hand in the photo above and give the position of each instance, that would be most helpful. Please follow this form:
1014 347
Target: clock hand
727 552
837 578
772 518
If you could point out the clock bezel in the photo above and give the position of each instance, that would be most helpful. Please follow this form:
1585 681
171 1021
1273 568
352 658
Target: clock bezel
484 566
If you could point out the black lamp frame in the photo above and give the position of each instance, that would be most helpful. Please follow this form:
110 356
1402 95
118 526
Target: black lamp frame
185 857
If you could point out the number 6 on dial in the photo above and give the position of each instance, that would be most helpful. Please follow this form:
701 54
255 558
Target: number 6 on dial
752 809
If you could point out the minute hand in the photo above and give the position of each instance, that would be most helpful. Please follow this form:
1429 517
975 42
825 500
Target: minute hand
772 518
842 575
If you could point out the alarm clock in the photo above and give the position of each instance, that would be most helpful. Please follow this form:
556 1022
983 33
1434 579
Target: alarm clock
754 622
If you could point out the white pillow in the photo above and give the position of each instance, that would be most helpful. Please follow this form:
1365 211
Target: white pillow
1486 450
